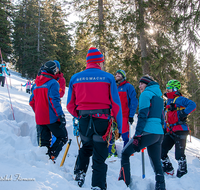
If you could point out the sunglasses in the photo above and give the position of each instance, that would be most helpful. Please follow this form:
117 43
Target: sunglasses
169 87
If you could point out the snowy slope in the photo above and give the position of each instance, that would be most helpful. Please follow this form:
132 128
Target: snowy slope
24 165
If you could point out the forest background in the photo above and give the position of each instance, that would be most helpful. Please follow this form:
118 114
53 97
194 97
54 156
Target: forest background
156 37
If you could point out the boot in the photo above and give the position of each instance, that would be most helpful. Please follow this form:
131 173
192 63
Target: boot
160 182
167 166
80 177
125 174
97 188
182 167
51 154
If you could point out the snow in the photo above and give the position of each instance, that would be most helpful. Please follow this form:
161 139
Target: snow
24 165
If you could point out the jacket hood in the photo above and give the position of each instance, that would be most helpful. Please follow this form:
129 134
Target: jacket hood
154 87
43 78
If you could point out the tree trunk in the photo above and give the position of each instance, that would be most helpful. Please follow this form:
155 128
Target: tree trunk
101 29
38 45
145 64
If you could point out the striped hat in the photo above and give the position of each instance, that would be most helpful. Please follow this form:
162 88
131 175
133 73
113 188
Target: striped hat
146 80
122 72
94 56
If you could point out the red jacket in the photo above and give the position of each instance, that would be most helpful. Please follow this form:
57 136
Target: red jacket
94 89
45 99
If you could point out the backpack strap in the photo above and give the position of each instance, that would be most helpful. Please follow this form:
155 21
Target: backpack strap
177 108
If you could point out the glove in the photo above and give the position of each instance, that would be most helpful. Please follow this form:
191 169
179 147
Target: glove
136 143
130 120
9 74
62 121
182 115
172 106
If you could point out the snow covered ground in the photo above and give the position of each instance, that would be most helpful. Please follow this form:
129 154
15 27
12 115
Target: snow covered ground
24 165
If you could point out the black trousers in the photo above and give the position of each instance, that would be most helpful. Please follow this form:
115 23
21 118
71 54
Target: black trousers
28 91
179 140
91 130
153 144
44 135
2 80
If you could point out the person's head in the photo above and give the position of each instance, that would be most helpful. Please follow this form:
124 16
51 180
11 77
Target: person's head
120 75
95 56
50 67
58 65
4 64
144 81
173 85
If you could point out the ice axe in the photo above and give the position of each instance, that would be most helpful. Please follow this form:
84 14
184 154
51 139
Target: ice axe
143 164
66 151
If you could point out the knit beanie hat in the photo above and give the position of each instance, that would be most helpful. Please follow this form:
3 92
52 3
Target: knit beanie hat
57 63
50 67
145 80
94 56
122 72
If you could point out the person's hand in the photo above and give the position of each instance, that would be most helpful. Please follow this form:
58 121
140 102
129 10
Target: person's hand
130 120
62 121
136 143
182 115
9 74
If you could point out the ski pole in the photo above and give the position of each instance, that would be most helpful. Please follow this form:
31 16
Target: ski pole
66 151
10 98
143 163
10 82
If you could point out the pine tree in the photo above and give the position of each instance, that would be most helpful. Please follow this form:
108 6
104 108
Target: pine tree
95 24
40 35
193 88
5 29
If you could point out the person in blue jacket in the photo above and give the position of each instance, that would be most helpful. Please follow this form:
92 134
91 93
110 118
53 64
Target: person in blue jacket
129 103
3 72
92 96
128 100
149 132
49 116
176 127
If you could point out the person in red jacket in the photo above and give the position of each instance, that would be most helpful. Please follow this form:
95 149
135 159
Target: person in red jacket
128 100
176 127
60 79
62 83
91 97
49 116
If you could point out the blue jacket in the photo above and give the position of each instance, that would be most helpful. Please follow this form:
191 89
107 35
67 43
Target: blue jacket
151 110
128 99
45 99
172 117
94 89
4 70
